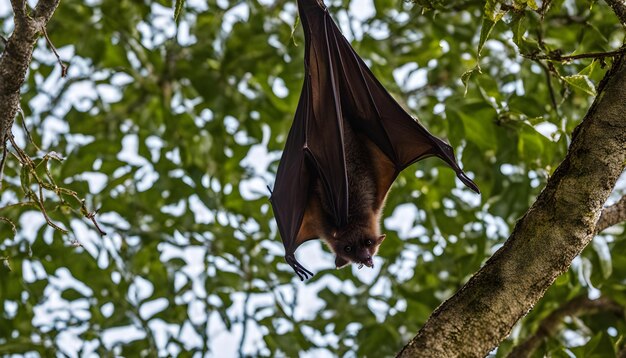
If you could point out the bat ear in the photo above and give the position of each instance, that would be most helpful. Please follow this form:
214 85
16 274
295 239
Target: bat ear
381 238
340 262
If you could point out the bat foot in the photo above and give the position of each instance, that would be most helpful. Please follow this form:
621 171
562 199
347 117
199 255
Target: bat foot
302 272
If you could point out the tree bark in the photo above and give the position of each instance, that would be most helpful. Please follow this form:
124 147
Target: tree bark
612 215
544 241
17 56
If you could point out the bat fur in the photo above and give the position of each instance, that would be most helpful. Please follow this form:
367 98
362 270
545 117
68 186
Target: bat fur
358 241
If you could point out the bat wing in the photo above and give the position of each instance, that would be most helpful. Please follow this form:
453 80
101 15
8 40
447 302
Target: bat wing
314 150
339 89
367 105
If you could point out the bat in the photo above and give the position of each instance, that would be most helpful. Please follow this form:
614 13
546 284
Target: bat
348 142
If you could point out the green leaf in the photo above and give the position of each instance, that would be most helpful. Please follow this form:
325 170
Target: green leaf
492 10
581 83
467 75
588 70
493 14
530 144
599 346
519 25
478 121
532 4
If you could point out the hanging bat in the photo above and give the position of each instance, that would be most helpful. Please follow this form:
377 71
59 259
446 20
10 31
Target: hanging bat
348 142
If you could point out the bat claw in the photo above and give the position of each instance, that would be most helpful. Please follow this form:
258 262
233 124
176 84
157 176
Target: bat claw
302 272
467 181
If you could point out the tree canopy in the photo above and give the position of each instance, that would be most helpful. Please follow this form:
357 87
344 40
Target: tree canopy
165 132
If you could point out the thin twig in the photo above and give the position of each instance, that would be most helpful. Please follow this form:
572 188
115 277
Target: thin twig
92 216
2 218
2 163
244 323
545 6
22 203
23 158
547 71
76 243
26 161
556 56
56 53
59 191
565 19
30 138
45 214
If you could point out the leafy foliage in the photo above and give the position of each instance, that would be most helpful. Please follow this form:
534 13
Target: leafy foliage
171 122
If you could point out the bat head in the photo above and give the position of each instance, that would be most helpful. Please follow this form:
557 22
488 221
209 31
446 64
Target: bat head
360 250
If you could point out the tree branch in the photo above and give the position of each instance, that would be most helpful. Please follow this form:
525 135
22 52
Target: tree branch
45 9
612 215
579 306
19 9
556 56
17 56
544 241
619 8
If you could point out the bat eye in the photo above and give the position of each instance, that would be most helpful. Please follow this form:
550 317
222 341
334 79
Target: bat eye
369 242
347 248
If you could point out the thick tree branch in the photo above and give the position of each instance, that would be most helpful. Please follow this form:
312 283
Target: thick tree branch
19 9
579 306
612 215
45 9
17 56
619 7
543 243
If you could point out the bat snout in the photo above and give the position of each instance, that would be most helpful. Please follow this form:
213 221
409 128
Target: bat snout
368 262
